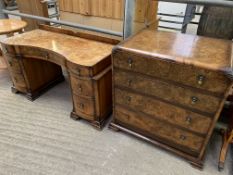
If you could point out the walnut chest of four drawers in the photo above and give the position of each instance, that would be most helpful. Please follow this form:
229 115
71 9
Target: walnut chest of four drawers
169 89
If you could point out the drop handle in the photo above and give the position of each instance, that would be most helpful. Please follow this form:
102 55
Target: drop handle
46 56
182 137
128 99
81 106
194 100
80 89
188 120
78 72
130 62
129 82
200 79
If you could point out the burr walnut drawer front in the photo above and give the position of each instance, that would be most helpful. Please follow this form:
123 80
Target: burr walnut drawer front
85 107
79 70
165 69
167 91
13 65
82 87
34 53
163 111
183 140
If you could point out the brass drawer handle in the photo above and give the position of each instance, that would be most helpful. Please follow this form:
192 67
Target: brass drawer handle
200 79
81 106
80 89
194 100
10 63
130 62
129 82
128 99
182 137
78 72
188 120
46 56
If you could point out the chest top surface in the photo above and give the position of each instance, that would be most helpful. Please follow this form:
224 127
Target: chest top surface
215 54
80 51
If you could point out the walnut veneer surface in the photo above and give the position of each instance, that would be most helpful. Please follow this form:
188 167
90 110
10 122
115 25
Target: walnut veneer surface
11 25
169 89
34 59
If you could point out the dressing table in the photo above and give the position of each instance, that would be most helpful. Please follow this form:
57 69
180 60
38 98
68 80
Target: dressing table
35 58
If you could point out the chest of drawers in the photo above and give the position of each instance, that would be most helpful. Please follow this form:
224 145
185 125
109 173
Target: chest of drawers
169 89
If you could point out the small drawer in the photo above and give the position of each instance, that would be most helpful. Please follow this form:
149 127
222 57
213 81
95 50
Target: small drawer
169 70
167 91
81 87
156 129
14 65
18 80
34 53
164 111
78 70
84 105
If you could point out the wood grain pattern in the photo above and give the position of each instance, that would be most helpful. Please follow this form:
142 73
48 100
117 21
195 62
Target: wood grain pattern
173 71
167 91
160 110
35 67
156 73
159 129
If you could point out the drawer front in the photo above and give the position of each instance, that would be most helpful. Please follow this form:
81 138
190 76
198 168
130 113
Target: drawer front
13 64
78 70
34 53
185 74
18 80
84 105
157 129
167 91
160 110
82 87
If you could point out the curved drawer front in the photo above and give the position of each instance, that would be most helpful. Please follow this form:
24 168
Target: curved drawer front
82 87
169 113
34 53
167 91
13 64
78 70
185 74
84 106
155 128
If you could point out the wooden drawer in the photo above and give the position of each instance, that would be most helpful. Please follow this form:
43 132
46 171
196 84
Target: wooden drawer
85 107
185 74
31 52
18 80
163 111
13 65
78 70
81 87
155 129
167 91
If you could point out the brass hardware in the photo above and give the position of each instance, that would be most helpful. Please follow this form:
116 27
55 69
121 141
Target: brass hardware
128 99
129 82
200 79
194 100
46 56
182 137
80 88
130 62
10 63
189 120
78 72
81 106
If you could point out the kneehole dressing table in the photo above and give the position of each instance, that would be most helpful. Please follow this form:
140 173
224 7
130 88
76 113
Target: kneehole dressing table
35 58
